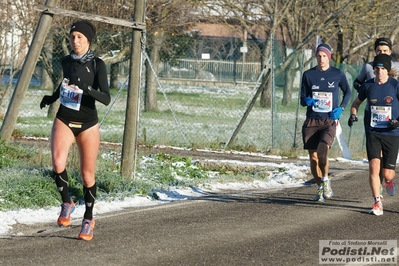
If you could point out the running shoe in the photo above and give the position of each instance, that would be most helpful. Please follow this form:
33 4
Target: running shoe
327 191
319 196
377 208
87 229
390 186
65 216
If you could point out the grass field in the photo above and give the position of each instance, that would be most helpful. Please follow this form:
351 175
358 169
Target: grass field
198 117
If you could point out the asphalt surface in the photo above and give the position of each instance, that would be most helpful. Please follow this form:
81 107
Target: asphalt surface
271 227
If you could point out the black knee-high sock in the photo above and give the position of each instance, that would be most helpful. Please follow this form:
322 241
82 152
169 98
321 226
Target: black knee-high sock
89 196
61 180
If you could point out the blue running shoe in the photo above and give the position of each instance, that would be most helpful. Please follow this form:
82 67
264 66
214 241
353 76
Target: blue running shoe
391 187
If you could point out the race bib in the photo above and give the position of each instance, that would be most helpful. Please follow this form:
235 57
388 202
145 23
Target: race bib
324 103
70 95
380 116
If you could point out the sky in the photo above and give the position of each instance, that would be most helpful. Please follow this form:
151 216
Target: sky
295 175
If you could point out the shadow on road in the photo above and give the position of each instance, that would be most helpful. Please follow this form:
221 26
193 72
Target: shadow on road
297 199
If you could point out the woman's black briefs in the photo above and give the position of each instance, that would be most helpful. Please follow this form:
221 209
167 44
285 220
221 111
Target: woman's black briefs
78 127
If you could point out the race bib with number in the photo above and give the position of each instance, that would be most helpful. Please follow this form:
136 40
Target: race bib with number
70 95
380 116
324 103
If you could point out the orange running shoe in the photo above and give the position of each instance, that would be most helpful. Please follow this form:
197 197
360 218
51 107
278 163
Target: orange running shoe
87 229
65 216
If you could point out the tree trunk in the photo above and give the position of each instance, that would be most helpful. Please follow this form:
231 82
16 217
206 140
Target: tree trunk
289 76
266 95
113 81
289 82
47 83
150 98
53 108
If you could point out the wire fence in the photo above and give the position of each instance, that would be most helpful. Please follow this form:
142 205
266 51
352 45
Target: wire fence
202 96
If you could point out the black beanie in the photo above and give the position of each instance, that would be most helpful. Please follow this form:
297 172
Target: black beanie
383 41
84 27
383 60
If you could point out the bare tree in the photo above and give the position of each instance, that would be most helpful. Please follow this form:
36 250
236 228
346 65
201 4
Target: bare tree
362 23
266 15
296 24
166 21
350 26
16 28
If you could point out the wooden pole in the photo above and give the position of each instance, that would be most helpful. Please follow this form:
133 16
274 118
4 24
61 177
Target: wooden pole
131 117
28 68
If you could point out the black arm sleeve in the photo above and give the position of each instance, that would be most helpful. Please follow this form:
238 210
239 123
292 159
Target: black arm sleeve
101 83
100 96
357 84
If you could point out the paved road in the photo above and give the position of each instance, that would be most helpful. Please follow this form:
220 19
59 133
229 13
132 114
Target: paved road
279 227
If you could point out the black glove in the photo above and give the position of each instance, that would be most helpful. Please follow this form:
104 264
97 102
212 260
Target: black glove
47 100
76 81
393 124
352 118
